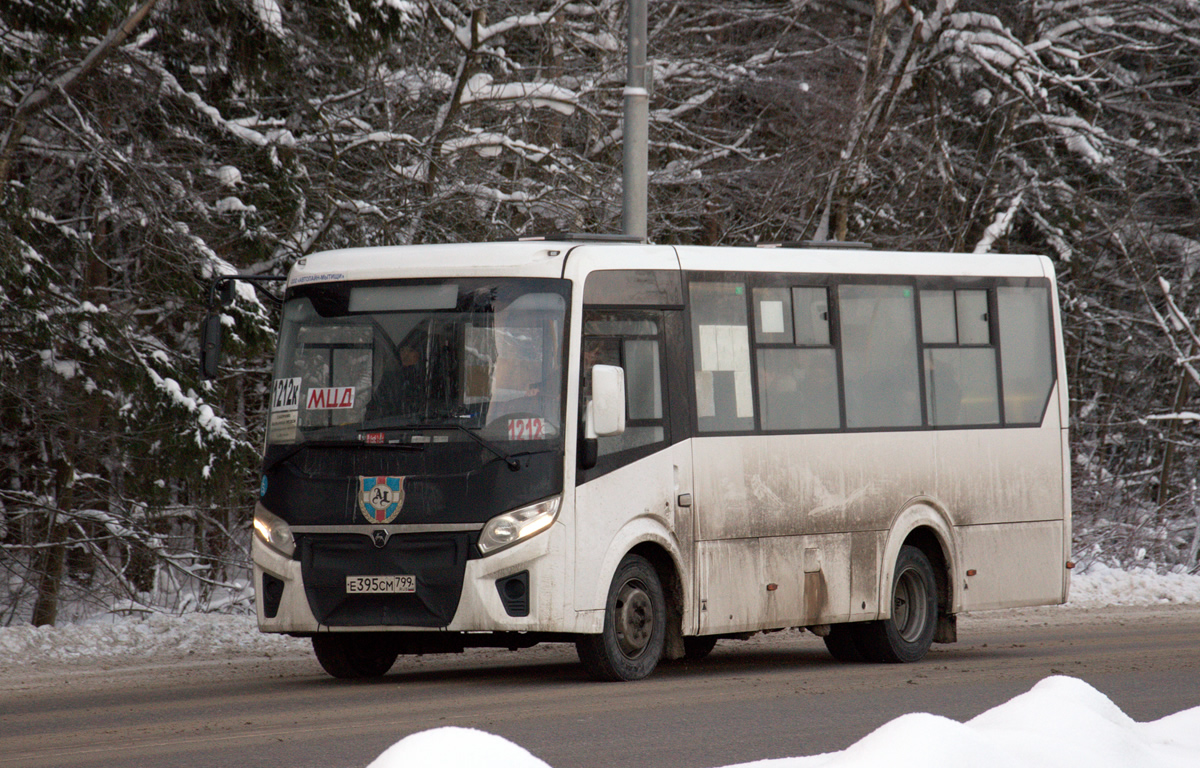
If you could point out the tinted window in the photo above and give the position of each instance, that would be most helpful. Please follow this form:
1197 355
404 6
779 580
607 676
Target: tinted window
879 356
798 389
960 364
1026 353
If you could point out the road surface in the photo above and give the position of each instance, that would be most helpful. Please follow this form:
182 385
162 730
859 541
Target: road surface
777 695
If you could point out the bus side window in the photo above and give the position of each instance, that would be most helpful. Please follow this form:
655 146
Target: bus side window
797 365
960 361
629 340
1026 352
879 356
721 351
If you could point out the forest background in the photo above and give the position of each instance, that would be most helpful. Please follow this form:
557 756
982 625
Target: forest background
149 146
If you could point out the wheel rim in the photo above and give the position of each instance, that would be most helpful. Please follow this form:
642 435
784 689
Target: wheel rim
910 610
633 618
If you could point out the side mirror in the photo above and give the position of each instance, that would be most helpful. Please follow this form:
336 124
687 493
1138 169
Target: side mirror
210 346
608 400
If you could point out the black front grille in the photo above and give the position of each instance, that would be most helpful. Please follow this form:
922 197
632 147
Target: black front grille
438 561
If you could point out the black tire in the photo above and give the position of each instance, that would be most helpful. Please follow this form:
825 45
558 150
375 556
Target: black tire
907 635
842 642
697 647
635 624
350 656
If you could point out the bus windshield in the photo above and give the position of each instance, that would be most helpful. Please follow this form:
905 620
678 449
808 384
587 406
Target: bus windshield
390 362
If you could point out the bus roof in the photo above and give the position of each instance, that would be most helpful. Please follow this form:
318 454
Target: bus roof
543 258
837 261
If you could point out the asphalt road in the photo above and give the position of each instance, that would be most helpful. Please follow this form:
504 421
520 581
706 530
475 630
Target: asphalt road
776 695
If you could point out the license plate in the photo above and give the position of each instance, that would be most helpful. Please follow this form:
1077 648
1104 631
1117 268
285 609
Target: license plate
380 585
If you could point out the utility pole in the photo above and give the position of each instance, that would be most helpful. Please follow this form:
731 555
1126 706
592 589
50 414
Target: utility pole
636 129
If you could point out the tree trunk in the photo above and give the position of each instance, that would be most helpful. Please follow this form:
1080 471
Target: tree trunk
50 563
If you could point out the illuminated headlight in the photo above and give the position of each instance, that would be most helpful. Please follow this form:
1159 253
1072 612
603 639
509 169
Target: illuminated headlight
273 532
511 527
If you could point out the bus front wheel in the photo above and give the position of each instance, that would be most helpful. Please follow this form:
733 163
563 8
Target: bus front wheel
635 622
355 655
907 635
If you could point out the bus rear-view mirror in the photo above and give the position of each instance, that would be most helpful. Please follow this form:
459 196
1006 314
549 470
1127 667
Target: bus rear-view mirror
210 346
608 400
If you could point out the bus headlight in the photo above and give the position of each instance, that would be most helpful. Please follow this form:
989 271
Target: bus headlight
273 532
507 529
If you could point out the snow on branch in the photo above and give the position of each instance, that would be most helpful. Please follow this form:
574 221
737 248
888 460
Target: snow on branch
1000 225
383 137
1080 136
270 16
480 34
1182 416
480 88
239 127
491 144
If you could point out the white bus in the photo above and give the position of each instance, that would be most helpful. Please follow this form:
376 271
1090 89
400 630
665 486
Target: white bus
642 449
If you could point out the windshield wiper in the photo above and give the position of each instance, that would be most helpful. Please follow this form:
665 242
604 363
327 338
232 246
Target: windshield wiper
508 459
512 463
296 448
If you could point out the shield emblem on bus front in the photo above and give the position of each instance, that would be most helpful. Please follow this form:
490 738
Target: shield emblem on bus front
380 498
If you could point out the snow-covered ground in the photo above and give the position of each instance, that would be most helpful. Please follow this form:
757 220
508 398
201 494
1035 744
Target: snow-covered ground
1061 721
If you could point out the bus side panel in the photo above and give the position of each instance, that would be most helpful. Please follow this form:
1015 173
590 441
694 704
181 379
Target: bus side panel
1015 565
857 483
781 485
769 583
865 548
644 496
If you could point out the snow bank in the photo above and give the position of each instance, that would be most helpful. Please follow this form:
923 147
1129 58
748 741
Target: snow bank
455 748
156 635
1100 586
1062 721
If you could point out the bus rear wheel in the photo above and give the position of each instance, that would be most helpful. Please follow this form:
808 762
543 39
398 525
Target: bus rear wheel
635 622
350 656
907 635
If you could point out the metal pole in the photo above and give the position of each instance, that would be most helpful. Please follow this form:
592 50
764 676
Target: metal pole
636 129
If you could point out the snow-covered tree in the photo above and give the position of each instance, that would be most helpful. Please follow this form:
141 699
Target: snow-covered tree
147 147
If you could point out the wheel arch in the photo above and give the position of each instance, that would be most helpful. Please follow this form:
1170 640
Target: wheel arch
925 525
644 538
669 572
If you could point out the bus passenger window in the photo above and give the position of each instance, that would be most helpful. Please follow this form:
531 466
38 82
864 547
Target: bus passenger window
879 356
721 351
1026 352
812 316
797 366
772 316
972 315
960 386
798 389
960 363
938 324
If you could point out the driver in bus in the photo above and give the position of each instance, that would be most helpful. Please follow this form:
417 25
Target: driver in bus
400 391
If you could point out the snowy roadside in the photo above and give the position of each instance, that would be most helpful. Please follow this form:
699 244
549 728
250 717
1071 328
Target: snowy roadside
158 638
1060 721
